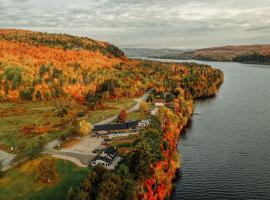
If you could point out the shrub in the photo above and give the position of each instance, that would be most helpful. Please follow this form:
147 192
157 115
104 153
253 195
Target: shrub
47 170
144 107
80 114
123 115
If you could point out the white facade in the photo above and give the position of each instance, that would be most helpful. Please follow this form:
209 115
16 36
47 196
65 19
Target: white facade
159 104
100 162
154 112
144 123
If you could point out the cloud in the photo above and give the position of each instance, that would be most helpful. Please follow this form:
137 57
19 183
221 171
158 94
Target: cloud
151 23
258 28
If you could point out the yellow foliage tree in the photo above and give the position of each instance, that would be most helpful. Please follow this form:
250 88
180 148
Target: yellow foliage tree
144 107
84 128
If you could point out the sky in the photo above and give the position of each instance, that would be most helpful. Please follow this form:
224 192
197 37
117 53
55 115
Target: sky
146 23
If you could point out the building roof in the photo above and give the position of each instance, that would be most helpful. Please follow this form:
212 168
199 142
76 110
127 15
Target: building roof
111 151
112 127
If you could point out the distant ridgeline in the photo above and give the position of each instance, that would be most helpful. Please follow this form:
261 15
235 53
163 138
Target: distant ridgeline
255 58
257 54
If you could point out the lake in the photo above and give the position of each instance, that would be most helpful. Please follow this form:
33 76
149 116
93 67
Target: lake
225 152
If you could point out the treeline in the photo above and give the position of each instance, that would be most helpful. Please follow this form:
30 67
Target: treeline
255 58
90 87
64 41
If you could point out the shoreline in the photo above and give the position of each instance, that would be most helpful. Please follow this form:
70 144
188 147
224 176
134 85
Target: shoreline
188 59
161 184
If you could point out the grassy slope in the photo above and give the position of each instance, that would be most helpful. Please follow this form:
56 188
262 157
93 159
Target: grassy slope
30 114
22 182
39 113
112 107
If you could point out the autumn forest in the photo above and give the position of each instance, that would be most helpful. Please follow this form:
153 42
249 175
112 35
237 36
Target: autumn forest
50 84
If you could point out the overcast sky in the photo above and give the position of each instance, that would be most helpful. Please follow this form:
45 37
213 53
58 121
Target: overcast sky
146 23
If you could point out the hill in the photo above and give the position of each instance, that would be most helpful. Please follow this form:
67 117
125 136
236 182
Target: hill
43 61
52 85
259 54
246 54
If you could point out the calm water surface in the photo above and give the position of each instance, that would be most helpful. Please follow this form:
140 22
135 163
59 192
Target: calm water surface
226 151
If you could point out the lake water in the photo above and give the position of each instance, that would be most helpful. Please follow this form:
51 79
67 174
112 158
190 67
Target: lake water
225 152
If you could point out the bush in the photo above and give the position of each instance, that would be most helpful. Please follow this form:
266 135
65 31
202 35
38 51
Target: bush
80 114
144 107
123 115
47 170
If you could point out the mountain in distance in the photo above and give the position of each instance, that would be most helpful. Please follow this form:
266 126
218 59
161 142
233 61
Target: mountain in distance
259 54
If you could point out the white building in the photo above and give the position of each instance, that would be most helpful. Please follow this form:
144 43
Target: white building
144 123
107 158
154 112
160 102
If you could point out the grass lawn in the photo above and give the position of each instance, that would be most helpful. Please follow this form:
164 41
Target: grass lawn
22 182
15 117
138 115
112 107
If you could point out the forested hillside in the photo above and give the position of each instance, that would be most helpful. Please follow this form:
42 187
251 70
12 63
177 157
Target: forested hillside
42 66
258 54
47 69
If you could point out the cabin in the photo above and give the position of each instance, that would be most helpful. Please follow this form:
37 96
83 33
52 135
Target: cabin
130 126
107 158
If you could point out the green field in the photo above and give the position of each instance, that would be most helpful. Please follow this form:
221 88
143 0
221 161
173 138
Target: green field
22 182
16 116
111 108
